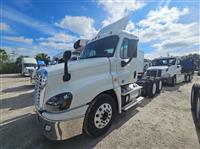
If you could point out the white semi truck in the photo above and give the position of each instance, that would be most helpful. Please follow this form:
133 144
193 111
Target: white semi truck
28 65
172 70
85 95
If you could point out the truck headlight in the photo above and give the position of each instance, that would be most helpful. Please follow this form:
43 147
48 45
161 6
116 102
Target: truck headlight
59 102
44 76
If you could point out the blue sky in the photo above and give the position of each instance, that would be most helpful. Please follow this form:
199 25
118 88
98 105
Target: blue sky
164 27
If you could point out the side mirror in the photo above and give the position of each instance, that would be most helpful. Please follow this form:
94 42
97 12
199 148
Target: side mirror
66 57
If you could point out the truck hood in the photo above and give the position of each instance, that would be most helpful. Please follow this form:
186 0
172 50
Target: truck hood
158 67
74 66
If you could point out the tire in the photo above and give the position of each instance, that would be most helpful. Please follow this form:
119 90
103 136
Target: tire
100 115
197 112
152 89
194 92
174 81
159 86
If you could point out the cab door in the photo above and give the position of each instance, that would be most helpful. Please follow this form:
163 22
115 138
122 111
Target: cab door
127 62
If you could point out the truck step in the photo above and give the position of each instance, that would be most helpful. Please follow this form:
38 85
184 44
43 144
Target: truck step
125 90
131 104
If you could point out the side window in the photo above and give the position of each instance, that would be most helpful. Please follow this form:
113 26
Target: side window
124 49
128 48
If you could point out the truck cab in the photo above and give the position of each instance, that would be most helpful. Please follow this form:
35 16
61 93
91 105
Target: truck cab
85 95
28 65
170 69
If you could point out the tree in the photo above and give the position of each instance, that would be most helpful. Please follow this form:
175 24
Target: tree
3 56
44 57
19 60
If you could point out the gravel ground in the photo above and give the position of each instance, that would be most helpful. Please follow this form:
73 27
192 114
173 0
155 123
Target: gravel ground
162 122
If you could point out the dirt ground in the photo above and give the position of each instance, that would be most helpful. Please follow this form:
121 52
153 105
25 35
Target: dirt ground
165 121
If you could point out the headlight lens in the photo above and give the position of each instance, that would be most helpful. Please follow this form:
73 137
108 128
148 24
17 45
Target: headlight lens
59 102
44 76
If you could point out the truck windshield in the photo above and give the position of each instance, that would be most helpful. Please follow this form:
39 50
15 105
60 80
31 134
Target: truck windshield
101 48
29 65
164 62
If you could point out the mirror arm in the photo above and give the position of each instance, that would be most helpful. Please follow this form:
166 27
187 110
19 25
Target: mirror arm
123 63
66 57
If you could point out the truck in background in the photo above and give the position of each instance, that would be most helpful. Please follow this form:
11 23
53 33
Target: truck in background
28 65
172 70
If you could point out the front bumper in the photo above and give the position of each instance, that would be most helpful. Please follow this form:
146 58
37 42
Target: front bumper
60 130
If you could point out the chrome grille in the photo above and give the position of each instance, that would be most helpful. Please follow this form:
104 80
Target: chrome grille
37 91
154 73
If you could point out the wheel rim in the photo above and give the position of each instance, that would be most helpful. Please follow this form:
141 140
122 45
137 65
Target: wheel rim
160 85
154 88
103 115
198 108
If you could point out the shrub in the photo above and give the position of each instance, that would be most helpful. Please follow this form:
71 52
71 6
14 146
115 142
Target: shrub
9 68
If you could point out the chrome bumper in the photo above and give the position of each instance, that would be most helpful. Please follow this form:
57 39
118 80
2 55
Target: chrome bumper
60 130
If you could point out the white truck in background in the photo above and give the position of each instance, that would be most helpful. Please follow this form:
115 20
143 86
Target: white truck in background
28 65
172 70
85 95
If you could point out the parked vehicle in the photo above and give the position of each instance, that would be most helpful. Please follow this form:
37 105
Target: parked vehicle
86 95
151 83
172 70
28 65
195 103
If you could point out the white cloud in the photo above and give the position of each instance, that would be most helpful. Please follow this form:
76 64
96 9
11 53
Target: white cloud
20 39
4 27
117 9
162 16
59 41
56 46
162 26
60 37
130 27
79 24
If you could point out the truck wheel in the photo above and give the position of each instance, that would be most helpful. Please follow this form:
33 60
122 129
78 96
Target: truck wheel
174 81
100 115
198 107
152 89
194 92
159 86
